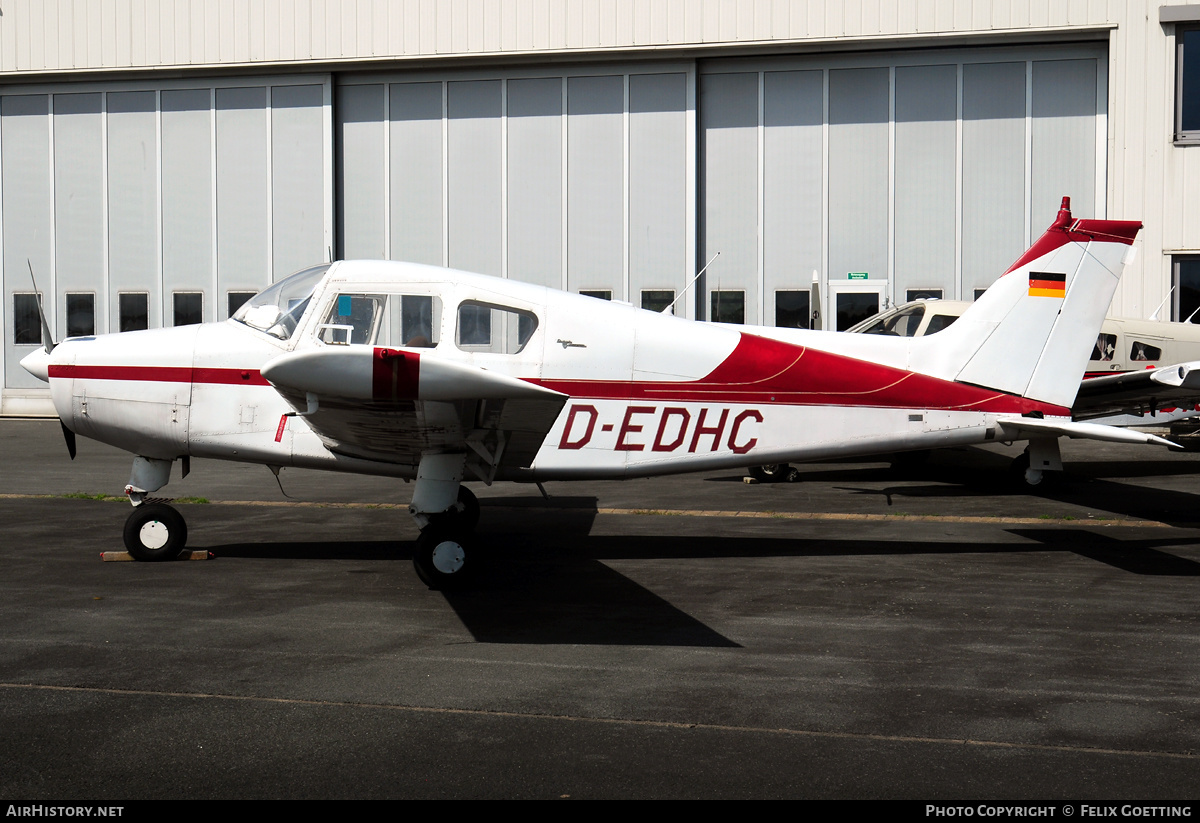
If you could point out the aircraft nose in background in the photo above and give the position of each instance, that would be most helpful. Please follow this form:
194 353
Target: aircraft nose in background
37 363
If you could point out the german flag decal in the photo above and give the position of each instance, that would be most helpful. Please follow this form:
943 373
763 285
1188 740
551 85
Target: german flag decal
1047 284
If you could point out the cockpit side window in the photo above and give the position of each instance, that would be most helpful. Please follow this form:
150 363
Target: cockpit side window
485 327
352 318
394 320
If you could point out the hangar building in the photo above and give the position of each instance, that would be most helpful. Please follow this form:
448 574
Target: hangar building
161 160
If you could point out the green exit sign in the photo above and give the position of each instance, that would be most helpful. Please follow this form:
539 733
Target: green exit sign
856 275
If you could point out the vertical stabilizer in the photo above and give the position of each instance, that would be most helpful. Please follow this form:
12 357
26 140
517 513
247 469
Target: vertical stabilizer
1032 331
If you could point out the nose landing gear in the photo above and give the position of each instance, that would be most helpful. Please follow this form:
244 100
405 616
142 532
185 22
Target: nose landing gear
155 531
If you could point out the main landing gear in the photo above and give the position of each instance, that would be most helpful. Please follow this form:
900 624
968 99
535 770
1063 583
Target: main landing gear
1040 456
773 473
447 514
441 555
153 531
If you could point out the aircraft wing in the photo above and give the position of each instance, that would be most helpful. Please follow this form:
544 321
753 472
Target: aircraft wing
393 405
1137 392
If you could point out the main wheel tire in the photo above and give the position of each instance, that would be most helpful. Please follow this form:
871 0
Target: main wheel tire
466 518
155 531
772 473
1025 475
441 559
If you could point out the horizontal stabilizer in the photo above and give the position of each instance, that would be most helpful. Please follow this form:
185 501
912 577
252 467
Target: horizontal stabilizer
1023 428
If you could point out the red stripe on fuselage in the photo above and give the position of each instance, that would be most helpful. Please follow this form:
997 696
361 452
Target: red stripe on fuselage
759 371
161 374
762 371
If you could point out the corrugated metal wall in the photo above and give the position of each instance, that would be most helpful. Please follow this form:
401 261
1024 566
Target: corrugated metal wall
65 35
933 170
580 181
200 187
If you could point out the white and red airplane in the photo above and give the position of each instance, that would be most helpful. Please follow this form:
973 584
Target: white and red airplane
421 372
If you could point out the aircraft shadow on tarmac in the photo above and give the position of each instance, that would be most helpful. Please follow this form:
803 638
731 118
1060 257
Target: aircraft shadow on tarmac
1134 556
972 472
556 584
1175 508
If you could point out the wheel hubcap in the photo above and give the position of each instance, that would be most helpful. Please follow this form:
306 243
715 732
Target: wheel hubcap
154 535
448 557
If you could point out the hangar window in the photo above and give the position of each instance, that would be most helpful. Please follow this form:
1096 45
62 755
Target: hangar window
81 315
237 299
488 328
1187 288
978 293
27 325
600 294
791 310
188 308
657 299
728 306
922 294
1187 84
133 311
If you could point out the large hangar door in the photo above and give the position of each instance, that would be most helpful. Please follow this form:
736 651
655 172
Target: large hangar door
931 171
148 205
582 180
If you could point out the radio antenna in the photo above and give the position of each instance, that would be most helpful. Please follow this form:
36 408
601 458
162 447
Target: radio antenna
671 308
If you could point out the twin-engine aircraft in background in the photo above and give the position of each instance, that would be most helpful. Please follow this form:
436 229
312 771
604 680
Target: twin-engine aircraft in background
442 376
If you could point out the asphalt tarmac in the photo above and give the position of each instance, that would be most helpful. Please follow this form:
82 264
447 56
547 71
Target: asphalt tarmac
938 634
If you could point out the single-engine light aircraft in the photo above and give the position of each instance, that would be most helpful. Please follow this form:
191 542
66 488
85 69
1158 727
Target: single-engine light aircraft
440 376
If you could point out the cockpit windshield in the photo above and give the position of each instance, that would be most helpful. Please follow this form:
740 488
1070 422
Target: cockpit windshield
278 309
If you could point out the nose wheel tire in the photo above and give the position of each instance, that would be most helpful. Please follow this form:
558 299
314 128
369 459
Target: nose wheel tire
155 531
441 558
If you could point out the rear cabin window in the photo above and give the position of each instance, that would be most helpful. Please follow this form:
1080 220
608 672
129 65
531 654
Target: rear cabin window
1105 348
485 327
1144 352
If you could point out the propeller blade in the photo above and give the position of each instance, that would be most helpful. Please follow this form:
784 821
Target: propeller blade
69 436
47 338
